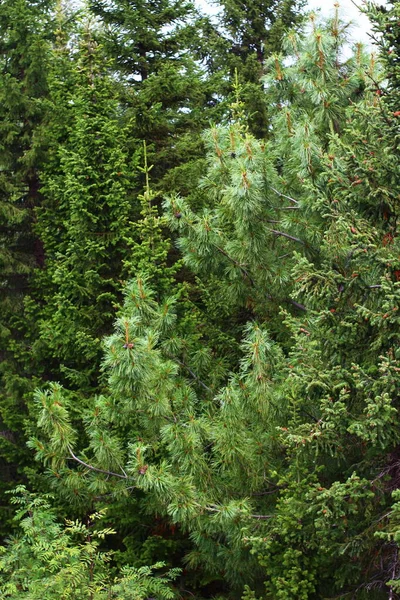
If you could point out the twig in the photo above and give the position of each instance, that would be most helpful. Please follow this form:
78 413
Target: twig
193 374
235 262
81 462
286 235
284 196
297 304
290 301
391 594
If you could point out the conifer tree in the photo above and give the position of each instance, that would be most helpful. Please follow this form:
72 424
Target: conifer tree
279 465
335 531
203 444
385 24
254 31
84 220
25 36
255 191
161 85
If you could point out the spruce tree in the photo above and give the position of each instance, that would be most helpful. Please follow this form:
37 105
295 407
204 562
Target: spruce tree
25 37
84 219
161 84
254 30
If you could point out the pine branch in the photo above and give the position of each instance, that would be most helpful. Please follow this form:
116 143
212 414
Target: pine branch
284 195
235 262
293 302
286 235
193 374
92 468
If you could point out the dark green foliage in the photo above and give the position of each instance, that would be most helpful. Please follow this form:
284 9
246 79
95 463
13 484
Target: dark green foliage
385 25
84 221
161 84
243 421
254 30
144 36
25 35
24 55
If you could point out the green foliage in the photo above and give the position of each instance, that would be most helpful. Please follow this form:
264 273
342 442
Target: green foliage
151 431
274 463
254 30
257 209
25 37
162 87
245 419
149 244
84 219
48 560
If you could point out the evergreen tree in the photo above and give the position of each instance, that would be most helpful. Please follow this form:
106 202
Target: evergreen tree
205 445
385 25
256 192
84 222
161 84
254 31
342 378
276 457
25 35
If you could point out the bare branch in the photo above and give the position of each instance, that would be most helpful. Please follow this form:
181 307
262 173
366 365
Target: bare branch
286 235
84 464
284 196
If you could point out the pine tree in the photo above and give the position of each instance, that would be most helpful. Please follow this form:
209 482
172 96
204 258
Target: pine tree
342 375
335 530
256 192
